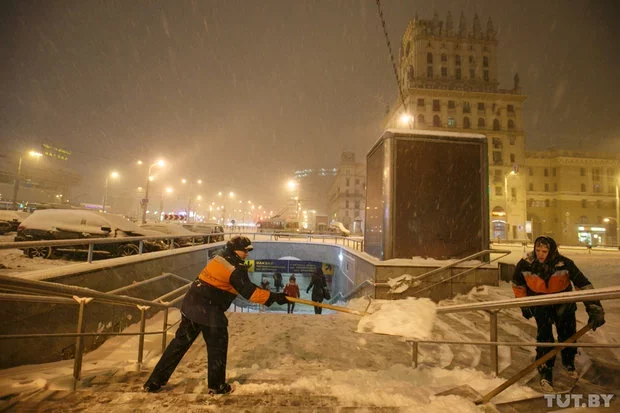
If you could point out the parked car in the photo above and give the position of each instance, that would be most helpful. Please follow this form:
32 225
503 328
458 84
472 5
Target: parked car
14 218
5 227
57 224
176 230
337 228
206 228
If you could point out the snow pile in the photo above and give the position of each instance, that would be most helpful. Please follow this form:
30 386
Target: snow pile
410 318
401 284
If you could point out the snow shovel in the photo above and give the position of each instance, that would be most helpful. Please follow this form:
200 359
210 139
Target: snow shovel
331 307
468 392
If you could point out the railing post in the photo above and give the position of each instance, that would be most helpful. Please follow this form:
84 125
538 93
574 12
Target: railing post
91 249
414 353
79 341
165 329
493 338
141 247
142 309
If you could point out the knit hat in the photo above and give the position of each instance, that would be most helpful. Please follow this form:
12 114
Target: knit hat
239 243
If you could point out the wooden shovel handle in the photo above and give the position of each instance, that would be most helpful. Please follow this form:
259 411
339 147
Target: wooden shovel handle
519 375
331 307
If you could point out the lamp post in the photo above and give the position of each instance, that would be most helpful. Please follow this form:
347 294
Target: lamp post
506 197
33 154
295 189
231 195
113 175
145 200
189 194
163 197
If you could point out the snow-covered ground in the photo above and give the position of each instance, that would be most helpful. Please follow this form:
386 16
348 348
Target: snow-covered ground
355 365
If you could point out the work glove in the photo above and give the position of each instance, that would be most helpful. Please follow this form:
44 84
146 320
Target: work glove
527 312
279 298
596 316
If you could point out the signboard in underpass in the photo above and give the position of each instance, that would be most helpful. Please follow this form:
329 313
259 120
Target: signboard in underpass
289 266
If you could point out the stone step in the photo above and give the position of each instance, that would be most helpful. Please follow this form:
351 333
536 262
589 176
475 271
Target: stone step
137 401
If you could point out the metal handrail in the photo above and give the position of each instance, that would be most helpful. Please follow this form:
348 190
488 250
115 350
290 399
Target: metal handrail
462 260
494 307
427 274
82 296
92 242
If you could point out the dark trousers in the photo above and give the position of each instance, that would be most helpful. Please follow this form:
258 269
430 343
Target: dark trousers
216 339
565 325
318 310
290 307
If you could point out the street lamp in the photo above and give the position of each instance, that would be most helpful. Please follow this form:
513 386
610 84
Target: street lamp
149 178
163 197
231 195
406 119
32 154
113 175
506 197
189 194
295 189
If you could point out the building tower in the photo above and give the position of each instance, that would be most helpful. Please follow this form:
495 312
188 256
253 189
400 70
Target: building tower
448 75
346 195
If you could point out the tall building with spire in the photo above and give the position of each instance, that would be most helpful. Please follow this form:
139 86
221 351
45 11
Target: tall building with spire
449 81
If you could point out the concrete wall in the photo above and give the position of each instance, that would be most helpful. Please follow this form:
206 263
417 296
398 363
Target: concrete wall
351 269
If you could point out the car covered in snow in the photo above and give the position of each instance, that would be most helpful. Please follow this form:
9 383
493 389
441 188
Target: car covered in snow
176 230
60 224
13 218
337 228
207 228
5 227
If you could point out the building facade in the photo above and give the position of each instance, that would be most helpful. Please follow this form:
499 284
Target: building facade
347 195
573 196
448 77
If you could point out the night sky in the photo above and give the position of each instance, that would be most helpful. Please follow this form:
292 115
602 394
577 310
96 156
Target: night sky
243 93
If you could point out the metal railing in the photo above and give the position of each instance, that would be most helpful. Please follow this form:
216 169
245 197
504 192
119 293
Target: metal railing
494 307
92 242
357 244
82 296
367 283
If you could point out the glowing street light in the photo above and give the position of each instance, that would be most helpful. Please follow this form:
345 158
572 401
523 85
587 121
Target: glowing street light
506 197
113 175
406 120
168 190
32 154
190 195
145 201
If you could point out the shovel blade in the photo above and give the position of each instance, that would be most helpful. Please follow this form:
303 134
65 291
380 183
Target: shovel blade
465 391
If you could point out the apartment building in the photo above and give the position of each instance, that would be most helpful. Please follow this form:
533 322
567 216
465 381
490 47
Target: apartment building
449 81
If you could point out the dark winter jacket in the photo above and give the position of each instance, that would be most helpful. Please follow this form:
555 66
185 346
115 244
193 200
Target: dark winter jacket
555 275
318 286
217 285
